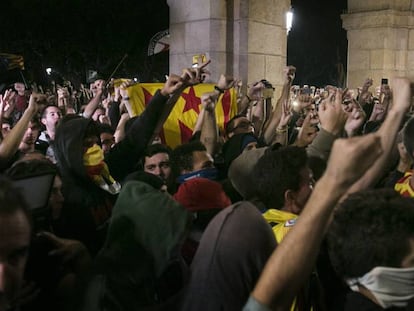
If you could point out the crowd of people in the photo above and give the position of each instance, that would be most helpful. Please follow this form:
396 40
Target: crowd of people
299 203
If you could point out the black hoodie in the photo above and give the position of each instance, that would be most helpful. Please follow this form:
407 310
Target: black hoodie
87 207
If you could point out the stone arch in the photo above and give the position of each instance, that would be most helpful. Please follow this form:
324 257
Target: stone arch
380 40
246 38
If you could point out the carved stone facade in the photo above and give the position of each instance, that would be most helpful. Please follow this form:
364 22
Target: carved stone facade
380 40
244 38
247 38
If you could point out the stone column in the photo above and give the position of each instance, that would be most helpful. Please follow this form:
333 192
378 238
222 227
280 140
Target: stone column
244 38
380 40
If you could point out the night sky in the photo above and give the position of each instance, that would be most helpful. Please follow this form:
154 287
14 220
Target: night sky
73 36
317 44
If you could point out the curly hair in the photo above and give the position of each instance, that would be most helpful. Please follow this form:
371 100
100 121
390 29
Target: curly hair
182 157
369 229
278 170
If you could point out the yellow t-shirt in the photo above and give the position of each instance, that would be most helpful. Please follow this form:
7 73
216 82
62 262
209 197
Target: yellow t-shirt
280 221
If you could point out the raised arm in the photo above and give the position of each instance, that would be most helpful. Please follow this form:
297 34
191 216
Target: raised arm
365 93
293 260
10 143
209 128
123 156
253 96
332 121
270 127
9 102
282 129
119 134
388 131
96 100
175 85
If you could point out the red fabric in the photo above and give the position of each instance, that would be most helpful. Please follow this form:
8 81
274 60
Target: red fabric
21 103
200 194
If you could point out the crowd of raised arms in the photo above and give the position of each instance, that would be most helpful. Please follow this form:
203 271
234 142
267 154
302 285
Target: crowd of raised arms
301 202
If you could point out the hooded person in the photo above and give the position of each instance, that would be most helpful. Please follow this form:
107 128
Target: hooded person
92 180
148 178
139 266
229 260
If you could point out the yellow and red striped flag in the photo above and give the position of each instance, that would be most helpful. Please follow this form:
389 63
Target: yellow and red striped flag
12 61
178 128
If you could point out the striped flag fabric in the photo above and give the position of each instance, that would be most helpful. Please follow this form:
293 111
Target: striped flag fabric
179 126
12 61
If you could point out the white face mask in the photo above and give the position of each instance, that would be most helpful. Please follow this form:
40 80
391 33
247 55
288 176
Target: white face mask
391 287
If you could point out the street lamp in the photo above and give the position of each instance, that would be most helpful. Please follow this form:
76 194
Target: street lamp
289 20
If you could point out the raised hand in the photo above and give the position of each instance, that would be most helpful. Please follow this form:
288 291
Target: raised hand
99 86
401 94
290 72
35 101
355 120
173 84
367 84
209 100
62 93
9 95
226 82
194 76
307 132
350 158
123 88
255 92
286 115
331 115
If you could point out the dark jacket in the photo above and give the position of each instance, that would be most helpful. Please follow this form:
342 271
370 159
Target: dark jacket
139 267
232 253
87 207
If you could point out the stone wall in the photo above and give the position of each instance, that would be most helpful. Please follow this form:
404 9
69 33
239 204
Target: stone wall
244 38
376 5
380 40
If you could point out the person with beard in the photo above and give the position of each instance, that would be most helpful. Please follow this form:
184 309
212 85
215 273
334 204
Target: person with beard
156 161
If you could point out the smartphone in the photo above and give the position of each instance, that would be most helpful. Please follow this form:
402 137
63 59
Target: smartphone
384 81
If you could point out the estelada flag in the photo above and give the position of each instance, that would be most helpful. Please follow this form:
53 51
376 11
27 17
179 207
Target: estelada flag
12 61
178 128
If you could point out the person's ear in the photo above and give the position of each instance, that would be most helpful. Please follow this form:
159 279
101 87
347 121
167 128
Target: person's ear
290 202
289 198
